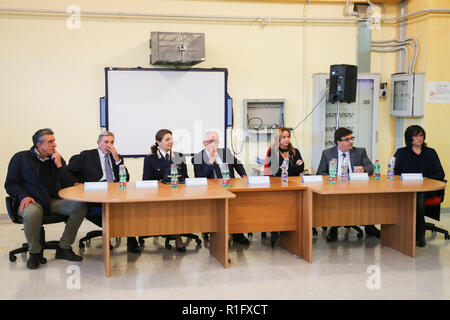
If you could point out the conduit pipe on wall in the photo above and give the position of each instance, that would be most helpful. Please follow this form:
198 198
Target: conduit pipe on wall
405 48
349 18
411 41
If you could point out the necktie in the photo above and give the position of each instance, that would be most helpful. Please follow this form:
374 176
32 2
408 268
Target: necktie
166 156
108 170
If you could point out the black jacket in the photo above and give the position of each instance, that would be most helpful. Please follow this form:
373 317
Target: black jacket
158 168
427 163
86 166
294 169
22 179
203 169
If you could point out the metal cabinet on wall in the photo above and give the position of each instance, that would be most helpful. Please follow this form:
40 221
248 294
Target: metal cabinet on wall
360 116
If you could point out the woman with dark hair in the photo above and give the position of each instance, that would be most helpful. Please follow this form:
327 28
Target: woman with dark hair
157 166
280 149
417 157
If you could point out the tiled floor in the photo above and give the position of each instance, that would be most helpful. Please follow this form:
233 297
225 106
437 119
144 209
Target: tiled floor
339 270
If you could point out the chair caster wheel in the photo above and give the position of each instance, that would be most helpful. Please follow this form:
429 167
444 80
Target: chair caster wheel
447 237
81 246
199 242
42 260
360 235
12 258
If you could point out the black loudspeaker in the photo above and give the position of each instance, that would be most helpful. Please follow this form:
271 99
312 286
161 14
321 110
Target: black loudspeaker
343 83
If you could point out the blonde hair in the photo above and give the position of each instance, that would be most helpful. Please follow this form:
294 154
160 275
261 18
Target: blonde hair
276 140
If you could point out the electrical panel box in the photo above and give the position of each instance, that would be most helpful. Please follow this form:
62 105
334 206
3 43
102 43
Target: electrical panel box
177 48
407 94
261 117
360 116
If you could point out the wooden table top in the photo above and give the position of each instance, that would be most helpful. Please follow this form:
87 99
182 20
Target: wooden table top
131 194
241 185
375 186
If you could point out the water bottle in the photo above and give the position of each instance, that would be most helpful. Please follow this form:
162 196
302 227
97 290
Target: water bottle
332 171
174 176
344 170
284 170
390 172
376 170
225 176
122 177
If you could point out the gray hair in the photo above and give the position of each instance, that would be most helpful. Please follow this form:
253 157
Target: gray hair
105 134
205 136
38 136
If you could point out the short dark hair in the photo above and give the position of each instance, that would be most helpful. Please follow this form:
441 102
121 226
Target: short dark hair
412 131
340 133
37 137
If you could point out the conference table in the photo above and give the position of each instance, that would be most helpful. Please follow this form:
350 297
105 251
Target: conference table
269 207
161 211
293 209
390 203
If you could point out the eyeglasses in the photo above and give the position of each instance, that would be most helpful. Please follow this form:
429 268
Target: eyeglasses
348 139
211 141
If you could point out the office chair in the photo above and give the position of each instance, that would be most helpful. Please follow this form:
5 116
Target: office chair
172 238
358 229
94 215
433 211
12 206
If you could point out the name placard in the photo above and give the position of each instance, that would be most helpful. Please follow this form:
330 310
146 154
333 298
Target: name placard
411 177
359 176
258 180
315 178
95 186
196 181
146 184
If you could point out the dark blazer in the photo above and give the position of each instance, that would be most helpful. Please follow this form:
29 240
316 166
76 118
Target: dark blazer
293 170
22 179
156 167
358 157
86 166
427 163
202 168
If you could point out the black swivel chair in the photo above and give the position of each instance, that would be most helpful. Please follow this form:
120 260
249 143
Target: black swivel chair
172 238
94 215
12 206
433 211
96 219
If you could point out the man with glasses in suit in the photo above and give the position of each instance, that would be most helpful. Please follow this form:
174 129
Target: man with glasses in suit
207 164
358 160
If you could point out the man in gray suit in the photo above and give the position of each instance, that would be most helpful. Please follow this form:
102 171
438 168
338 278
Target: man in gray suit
359 162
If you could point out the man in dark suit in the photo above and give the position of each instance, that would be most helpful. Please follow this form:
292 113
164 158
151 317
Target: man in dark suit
35 177
101 164
207 164
359 162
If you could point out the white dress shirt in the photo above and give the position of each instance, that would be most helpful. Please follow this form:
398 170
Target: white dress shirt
340 158
102 162
217 160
